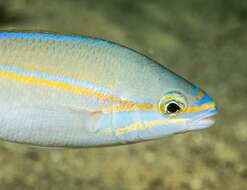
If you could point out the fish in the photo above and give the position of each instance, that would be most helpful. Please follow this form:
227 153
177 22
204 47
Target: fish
58 90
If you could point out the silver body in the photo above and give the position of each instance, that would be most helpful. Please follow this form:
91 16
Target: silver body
33 110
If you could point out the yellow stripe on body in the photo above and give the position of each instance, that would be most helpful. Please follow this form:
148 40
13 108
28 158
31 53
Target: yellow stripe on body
147 107
147 125
127 105
74 89
134 107
57 71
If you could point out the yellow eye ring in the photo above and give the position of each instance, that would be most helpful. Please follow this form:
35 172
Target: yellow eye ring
172 103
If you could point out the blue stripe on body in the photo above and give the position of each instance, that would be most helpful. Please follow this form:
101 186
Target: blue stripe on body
27 35
56 78
70 81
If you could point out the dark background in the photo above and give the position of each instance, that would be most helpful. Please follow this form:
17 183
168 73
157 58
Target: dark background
203 40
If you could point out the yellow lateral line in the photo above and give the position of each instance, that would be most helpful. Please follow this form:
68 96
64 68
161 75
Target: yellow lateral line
144 107
69 87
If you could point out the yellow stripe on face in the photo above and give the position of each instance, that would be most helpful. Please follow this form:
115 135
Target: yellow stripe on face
200 108
203 103
70 88
200 95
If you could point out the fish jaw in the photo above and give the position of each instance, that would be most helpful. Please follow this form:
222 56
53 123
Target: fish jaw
203 120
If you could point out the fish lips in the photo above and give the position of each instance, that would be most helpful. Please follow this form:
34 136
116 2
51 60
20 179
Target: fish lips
203 120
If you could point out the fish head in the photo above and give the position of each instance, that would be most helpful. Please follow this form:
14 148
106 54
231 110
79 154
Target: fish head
177 111
185 111
165 104
179 106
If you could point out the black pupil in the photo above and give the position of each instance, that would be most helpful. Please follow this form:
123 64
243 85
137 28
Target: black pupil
173 108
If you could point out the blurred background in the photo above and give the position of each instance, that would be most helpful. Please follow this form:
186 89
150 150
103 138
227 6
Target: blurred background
205 41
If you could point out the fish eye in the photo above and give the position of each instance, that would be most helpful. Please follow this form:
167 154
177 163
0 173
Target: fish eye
172 103
173 107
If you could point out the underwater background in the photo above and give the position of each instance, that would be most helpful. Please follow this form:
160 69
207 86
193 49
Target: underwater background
204 41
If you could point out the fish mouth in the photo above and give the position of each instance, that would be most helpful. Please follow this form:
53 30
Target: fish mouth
204 120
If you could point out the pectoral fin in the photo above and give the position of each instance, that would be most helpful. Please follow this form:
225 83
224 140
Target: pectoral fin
58 117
